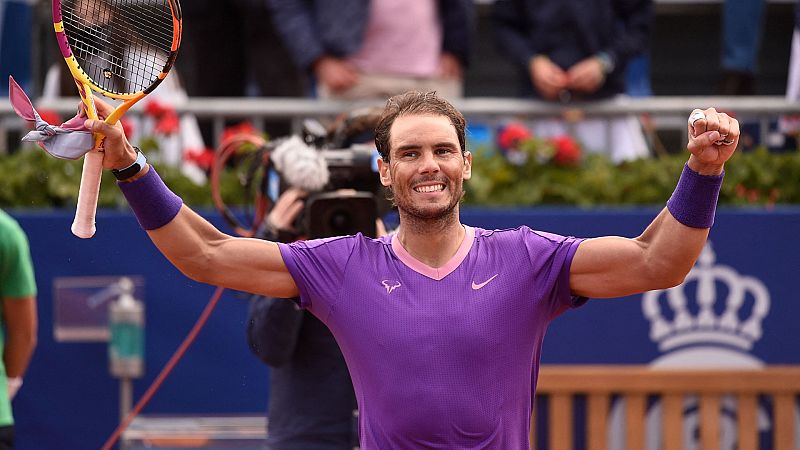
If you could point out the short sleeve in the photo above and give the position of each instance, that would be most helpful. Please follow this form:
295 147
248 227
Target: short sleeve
553 255
318 267
16 269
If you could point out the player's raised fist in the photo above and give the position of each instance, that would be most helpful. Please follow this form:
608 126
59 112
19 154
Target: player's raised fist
713 137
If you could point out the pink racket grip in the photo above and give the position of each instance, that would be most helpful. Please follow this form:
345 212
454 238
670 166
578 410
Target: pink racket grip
83 226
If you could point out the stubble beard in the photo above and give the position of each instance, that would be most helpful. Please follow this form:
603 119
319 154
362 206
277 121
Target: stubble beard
429 219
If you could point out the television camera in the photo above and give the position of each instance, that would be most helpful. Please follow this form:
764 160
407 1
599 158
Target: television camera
336 166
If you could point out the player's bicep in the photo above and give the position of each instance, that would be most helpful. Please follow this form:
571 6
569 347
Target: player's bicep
608 267
252 265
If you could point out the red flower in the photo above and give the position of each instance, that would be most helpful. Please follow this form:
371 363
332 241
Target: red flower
240 128
168 123
511 135
127 127
50 116
203 158
156 109
568 152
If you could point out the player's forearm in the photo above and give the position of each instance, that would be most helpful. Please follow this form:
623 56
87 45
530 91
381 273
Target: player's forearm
670 250
676 237
613 266
178 232
198 249
17 354
21 324
188 241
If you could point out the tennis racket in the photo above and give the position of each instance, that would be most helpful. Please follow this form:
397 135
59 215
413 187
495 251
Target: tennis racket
121 49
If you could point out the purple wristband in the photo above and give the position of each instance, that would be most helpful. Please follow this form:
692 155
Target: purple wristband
153 204
694 201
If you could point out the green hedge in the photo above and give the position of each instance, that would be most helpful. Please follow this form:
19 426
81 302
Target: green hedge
752 178
31 178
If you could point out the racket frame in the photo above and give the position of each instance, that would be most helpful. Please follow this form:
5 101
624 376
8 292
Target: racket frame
83 225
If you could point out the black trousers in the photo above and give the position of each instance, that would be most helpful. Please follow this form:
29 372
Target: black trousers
7 436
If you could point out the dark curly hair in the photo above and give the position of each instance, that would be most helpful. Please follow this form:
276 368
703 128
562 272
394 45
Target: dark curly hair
412 103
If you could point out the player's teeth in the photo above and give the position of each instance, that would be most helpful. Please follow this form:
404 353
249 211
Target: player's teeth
437 187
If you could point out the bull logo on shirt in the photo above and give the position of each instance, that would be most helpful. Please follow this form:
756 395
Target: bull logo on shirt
390 285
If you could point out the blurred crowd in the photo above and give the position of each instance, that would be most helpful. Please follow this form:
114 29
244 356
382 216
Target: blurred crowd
562 51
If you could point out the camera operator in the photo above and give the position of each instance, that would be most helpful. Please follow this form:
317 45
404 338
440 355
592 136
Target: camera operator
311 402
330 190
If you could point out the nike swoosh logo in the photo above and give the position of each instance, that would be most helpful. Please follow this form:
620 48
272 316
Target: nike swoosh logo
478 286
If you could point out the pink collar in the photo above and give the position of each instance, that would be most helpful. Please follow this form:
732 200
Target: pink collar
434 272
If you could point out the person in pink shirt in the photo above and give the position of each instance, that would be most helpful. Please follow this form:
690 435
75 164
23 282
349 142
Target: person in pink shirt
357 49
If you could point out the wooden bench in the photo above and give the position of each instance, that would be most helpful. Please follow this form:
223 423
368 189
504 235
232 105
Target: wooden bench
637 385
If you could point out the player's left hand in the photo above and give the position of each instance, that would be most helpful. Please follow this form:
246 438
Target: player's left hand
713 137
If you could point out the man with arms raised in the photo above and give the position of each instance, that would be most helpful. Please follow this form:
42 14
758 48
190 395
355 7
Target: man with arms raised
441 323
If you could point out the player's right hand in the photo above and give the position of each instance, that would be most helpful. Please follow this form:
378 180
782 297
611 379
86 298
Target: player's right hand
119 153
713 138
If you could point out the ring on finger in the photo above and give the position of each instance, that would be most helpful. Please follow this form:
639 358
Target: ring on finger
697 115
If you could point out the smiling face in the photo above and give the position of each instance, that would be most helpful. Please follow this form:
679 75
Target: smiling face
426 168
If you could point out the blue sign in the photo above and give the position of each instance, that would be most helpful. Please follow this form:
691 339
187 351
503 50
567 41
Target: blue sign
736 309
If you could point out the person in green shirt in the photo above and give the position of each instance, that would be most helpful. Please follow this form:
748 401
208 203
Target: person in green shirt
18 320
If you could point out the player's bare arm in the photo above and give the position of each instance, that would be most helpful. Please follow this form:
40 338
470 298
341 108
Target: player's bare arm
205 254
191 243
20 321
665 252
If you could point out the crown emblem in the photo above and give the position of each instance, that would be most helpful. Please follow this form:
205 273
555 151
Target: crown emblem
727 308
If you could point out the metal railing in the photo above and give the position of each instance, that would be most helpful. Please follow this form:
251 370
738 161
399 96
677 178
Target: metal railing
665 112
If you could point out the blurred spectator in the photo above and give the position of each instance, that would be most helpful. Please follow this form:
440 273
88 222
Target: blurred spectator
791 124
570 50
637 77
16 39
177 138
255 61
311 399
359 49
19 321
741 39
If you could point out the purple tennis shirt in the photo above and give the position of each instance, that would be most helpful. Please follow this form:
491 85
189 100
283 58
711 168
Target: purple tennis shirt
444 357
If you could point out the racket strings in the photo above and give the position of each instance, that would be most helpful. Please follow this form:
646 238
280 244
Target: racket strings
122 45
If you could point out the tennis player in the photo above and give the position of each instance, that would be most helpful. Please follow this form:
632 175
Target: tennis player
441 323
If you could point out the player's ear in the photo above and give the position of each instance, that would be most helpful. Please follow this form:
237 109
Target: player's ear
467 172
383 171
